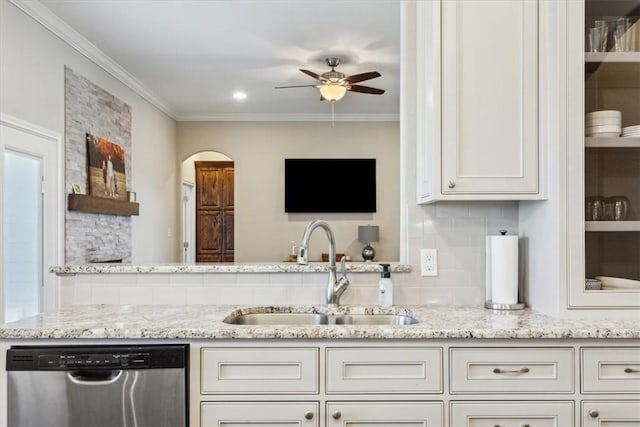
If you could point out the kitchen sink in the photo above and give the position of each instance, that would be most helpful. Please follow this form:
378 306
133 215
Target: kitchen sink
319 319
278 319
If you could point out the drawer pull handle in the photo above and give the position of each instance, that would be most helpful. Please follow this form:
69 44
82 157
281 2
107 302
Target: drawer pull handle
593 413
630 371
514 371
308 415
336 415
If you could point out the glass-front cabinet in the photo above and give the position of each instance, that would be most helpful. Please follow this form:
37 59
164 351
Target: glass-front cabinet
608 127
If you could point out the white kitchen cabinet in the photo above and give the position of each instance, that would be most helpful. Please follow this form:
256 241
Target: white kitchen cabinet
259 370
392 383
599 413
602 167
389 414
259 414
392 370
512 370
511 414
477 100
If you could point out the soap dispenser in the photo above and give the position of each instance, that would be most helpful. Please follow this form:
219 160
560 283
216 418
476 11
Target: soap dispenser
385 288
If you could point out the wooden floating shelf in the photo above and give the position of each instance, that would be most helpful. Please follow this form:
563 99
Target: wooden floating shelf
102 205
612 56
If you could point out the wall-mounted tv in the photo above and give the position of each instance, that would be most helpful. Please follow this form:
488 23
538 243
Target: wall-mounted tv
329 185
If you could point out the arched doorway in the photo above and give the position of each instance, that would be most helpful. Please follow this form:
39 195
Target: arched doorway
208 208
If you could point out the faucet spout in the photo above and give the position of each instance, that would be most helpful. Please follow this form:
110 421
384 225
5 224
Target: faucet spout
335 287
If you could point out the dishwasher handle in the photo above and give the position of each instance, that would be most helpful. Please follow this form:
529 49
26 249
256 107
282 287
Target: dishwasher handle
102 377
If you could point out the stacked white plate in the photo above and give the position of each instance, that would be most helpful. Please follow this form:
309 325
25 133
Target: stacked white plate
618 283
603 123
631 131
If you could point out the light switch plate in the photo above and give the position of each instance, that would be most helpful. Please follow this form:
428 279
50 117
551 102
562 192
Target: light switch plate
429 262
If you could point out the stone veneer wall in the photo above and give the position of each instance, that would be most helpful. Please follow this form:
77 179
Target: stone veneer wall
91 109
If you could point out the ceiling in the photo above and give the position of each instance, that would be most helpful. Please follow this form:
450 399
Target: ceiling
192 55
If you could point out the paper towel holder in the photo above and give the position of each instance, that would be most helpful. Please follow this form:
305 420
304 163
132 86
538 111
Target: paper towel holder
499 306
503 306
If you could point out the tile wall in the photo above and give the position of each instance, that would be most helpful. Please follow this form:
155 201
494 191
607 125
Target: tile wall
457 230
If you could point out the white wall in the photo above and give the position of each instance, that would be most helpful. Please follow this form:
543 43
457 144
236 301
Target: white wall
263 231
32 62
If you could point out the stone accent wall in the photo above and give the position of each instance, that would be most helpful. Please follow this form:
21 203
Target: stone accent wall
91 109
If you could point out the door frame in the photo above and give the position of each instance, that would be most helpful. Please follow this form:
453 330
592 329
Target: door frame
188 221
53 235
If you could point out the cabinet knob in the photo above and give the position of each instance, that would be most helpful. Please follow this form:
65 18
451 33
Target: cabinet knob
593 413
451 184
336 415
308 415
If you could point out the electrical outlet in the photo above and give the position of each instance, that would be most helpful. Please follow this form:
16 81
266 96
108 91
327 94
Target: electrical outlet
429 262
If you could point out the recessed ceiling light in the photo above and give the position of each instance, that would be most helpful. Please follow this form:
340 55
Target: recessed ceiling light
239 95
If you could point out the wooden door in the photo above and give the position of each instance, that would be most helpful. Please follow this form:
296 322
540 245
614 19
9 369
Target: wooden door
214 212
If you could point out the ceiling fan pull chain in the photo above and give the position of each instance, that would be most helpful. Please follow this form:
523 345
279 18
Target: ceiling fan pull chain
333 123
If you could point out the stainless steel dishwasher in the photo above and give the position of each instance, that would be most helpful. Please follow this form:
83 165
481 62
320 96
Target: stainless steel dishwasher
91 386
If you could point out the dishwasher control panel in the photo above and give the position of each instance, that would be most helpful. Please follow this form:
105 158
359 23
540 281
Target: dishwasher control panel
107 360
103 357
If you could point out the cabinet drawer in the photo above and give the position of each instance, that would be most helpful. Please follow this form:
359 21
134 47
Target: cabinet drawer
512 370
384 370
384 414
511 414
259 414
611 370
598 413
259 370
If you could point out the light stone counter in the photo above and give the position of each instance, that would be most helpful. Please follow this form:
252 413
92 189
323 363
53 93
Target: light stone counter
206 322
285 267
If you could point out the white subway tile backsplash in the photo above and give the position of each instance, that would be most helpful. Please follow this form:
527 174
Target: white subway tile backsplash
236 295
136 295
280 279
153 280
203 295
105 295
169 296
120 280
253 279
190 279
226 279
452 210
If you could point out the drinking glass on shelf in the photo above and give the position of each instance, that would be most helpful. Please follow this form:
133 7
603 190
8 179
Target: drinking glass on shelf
597 37
620 40
594 208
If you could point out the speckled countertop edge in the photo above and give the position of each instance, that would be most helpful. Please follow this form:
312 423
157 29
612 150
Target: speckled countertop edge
206 322
319 267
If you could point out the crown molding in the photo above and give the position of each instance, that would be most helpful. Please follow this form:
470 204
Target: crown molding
288 118
77 41
61 29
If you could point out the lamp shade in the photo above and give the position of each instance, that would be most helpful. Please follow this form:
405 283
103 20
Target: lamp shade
368 233
332 92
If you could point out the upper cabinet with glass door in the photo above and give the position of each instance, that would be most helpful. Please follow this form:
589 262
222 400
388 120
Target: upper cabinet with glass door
611 156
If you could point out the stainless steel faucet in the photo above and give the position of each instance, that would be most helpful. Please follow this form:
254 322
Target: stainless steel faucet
335 286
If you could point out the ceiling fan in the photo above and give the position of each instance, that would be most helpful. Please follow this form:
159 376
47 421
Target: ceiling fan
334 84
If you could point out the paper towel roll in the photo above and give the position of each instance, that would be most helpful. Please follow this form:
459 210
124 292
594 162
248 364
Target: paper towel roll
502 269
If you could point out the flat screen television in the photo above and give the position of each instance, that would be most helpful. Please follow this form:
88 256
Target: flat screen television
329 185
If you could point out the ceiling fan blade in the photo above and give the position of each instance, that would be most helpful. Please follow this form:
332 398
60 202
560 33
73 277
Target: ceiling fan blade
362 77
310 73
366 89
287 87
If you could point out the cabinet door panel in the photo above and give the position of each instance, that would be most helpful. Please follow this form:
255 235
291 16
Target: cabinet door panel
489 97
387 414
610 414
259 414
259 370
384 370
511 370
611 370
511 414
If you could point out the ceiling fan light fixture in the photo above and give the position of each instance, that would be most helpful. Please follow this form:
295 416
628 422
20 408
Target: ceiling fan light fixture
332 92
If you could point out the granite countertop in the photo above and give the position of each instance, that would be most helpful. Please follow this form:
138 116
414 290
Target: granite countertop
285 267
206 322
